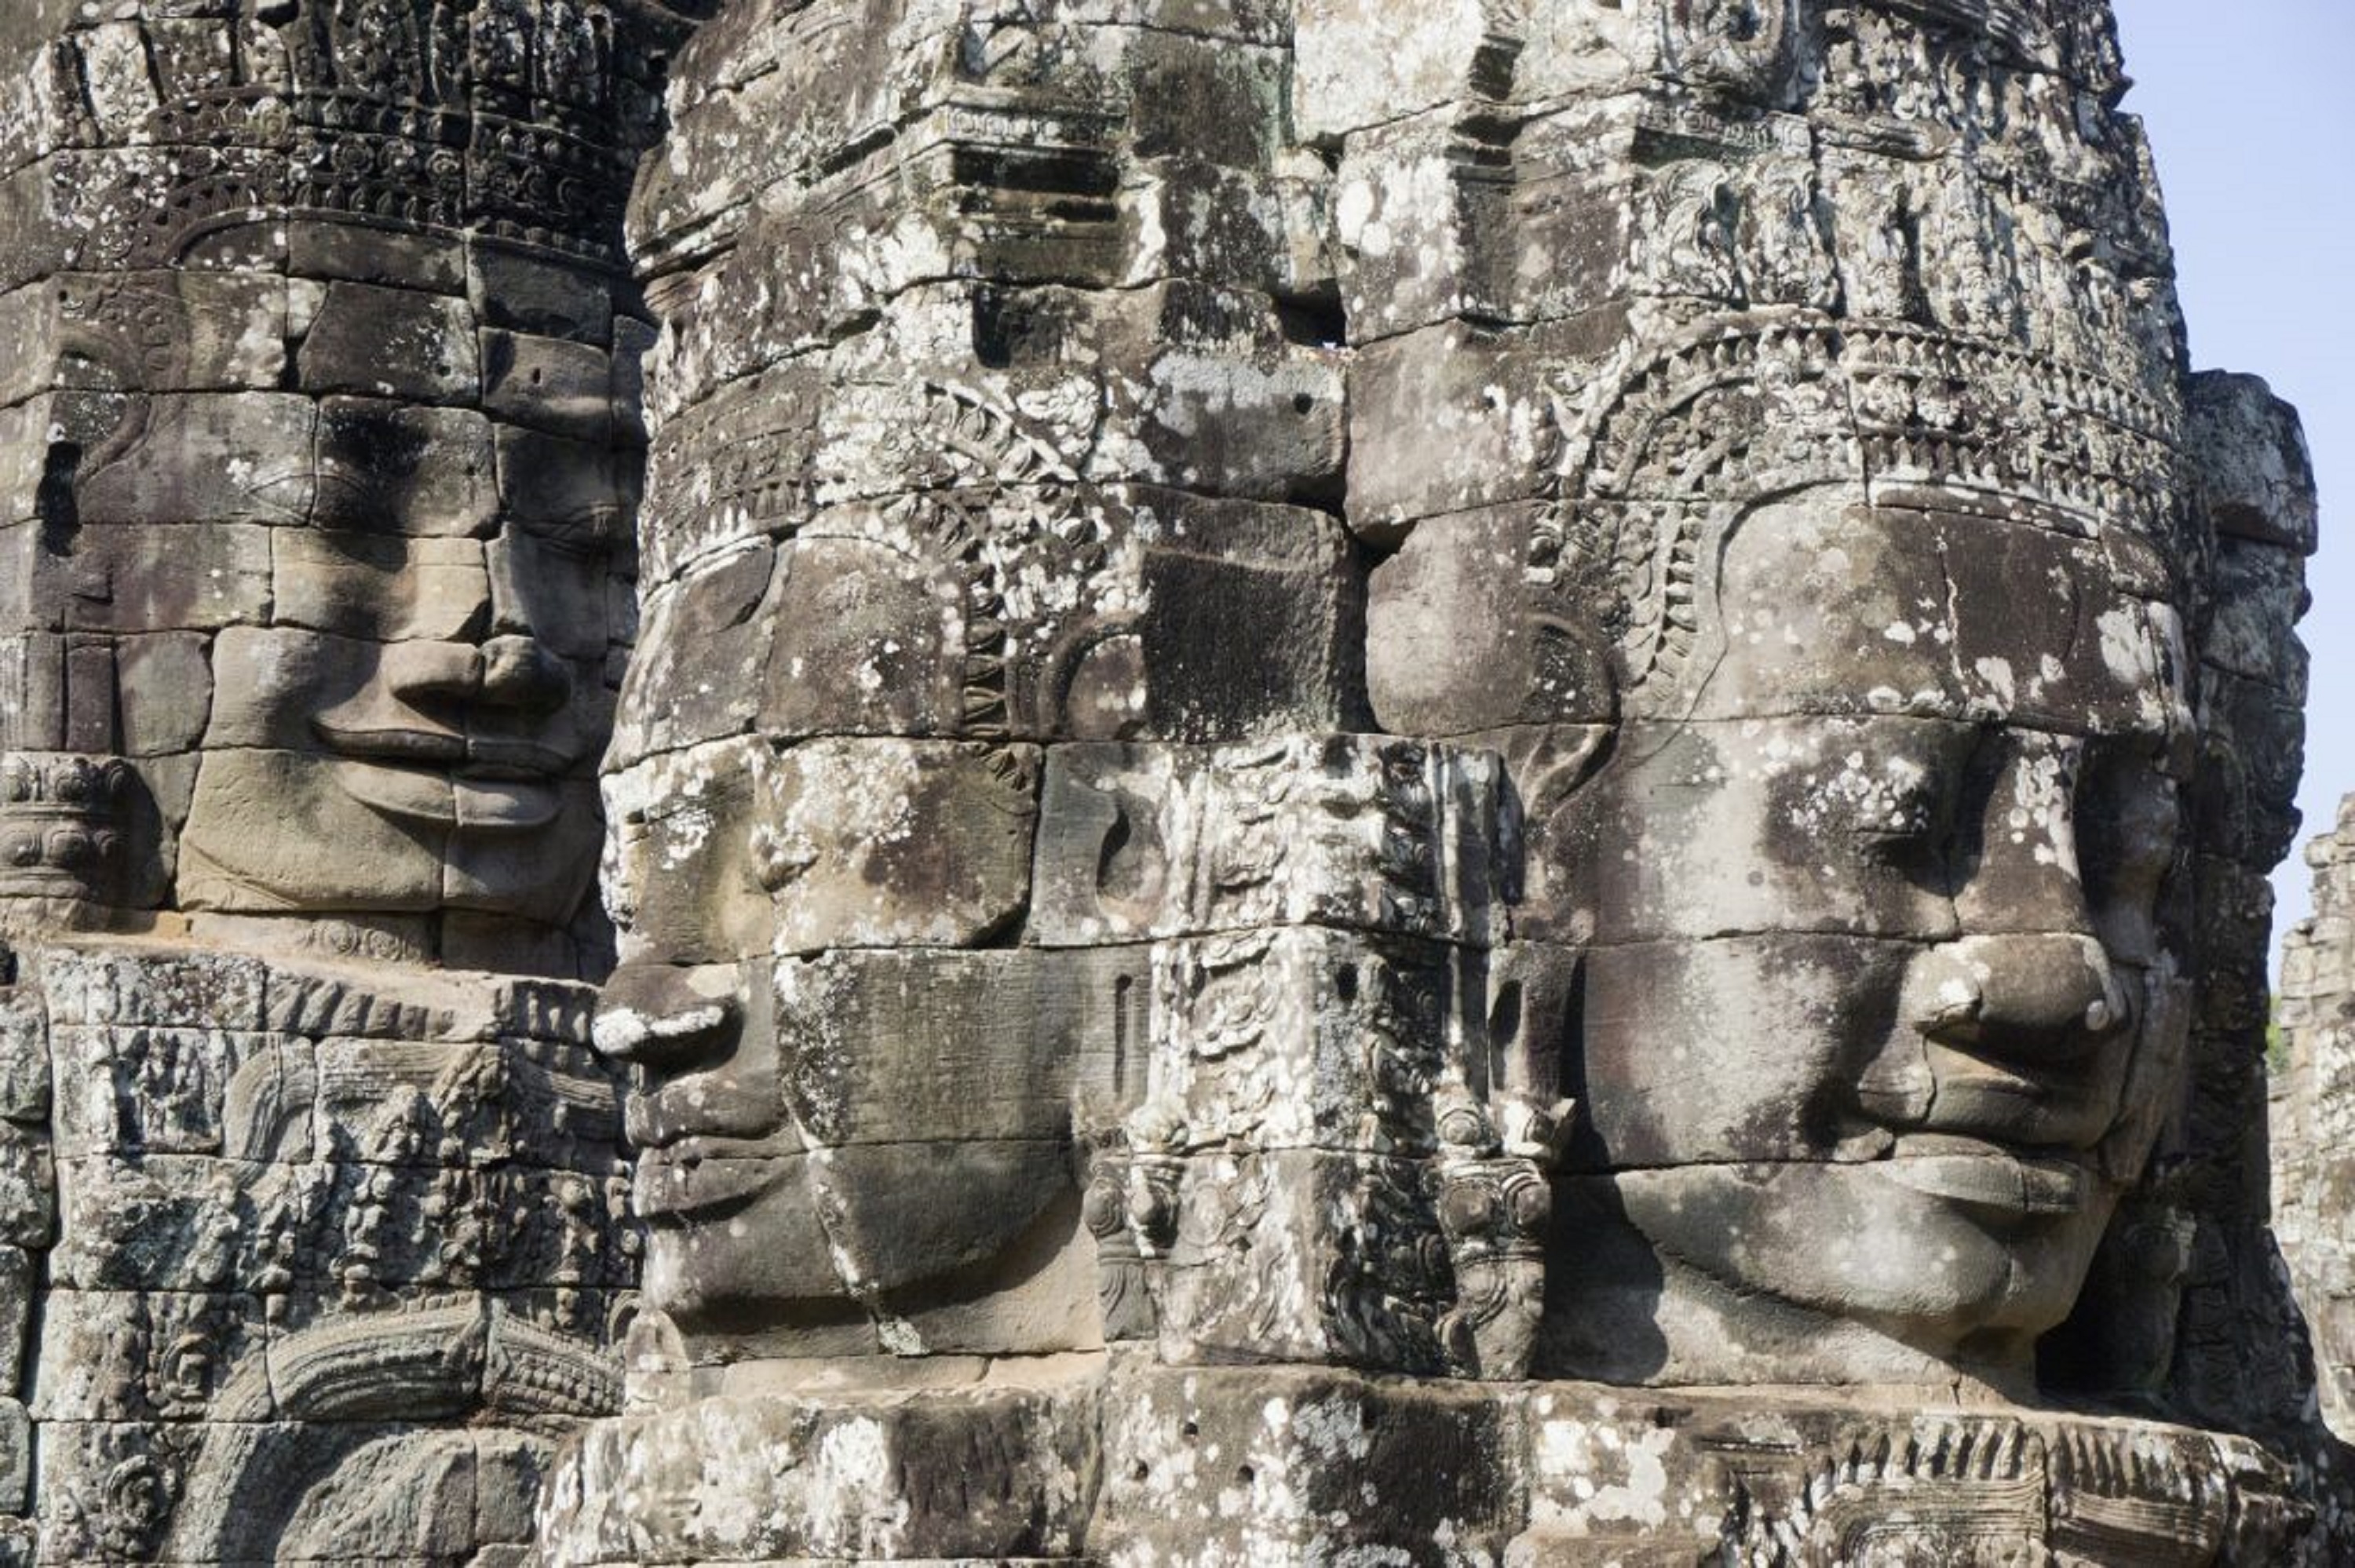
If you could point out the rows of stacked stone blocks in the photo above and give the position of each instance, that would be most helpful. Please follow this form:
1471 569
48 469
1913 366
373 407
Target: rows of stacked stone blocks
320 445
2310 1088
1679 842
1124 854
999 642
2242 1354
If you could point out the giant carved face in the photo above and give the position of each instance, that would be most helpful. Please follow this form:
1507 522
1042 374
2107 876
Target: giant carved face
1880 1013
408 560
854 1126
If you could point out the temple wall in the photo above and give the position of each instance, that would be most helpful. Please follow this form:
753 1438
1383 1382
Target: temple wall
1140 782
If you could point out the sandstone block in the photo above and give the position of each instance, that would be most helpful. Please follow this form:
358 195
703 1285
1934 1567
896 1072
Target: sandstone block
525 293
395 467
392 343
1420 212
878 843
18 1272
211 458
149 578
150 1089
548 383
1149 840
1210 222
1457 641
1229 1466
129 1355
165 686
2261 595
1444 418
706 642
888 1047
2251 459
977 1473
852 842
574 485
1363 65
376 587
542 876
15 1482
24 1055
1311 1039
245 796
227 331
106 985
1295 1256
389 258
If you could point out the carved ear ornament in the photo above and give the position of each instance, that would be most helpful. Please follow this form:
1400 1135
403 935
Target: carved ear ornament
60 816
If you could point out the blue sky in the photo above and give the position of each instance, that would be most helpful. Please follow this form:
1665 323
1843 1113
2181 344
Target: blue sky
2250 112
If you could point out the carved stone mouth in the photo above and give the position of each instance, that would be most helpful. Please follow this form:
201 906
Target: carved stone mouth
503 805
683 1182
391 744
484 755
487 805
1989 1176
2062 1103
654 1011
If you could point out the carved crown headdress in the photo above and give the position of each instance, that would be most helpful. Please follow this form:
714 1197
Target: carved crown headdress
517 119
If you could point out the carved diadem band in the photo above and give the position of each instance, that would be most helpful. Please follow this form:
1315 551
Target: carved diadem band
517 118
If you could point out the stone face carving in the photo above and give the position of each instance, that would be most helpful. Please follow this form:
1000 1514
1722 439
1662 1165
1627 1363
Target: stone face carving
320 449
1366 737
1464 783
324 469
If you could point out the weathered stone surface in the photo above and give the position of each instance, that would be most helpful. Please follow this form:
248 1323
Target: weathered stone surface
1338 711
2309 1091
393 467
2257 477
1830 674
1269 1465
392 343
312 1249
857 1478
1146 841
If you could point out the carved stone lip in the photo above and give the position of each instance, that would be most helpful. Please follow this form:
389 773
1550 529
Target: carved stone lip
486 756
2062 1105
467 804
1981 1175
391 744
503 805
701 1177
656 1012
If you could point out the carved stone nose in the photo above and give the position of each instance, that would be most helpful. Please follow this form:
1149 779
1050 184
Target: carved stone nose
430 669
511 672
659 1016
518 672
2033 993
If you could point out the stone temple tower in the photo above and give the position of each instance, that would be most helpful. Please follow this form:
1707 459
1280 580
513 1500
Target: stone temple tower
1469 782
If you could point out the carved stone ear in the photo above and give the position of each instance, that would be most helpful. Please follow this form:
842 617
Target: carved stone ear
1544 763
1458 641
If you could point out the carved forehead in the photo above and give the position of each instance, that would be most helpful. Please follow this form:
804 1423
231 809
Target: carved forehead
1822 606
